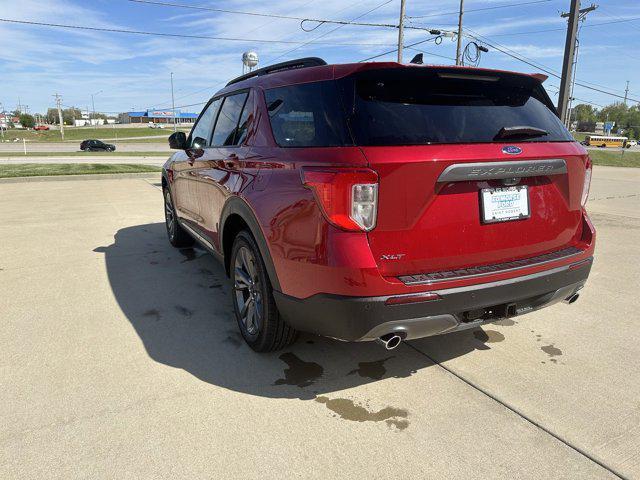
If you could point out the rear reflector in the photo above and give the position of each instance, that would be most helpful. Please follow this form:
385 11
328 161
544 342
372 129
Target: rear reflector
417 298
580 264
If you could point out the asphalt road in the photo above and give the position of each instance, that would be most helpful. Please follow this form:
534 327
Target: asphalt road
157 160
160 146
121 359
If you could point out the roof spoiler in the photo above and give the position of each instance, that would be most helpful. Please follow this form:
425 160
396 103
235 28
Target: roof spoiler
541 77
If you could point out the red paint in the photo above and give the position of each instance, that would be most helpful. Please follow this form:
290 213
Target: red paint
422 225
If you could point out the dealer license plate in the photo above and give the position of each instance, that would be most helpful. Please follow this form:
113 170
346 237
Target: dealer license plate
504 204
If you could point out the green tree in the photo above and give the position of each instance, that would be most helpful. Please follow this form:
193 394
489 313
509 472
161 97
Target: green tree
52 115
27 121
70 114
584 113
616 112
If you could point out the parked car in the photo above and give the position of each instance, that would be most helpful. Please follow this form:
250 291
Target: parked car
155 125
96 145
382 201
41 127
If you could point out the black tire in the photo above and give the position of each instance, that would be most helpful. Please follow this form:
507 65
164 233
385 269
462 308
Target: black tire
178 236
264 330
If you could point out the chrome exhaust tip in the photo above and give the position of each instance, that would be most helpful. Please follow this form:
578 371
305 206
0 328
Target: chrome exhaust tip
572 298
390 340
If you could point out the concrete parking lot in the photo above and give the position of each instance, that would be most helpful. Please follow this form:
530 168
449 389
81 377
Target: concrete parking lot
121 359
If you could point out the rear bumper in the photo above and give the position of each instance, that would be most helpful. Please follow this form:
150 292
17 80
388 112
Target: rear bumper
366 318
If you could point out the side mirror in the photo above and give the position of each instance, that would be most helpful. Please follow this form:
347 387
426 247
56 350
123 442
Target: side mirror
178 141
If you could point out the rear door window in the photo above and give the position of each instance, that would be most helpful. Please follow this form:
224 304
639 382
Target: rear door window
421 106
226 127
308 115
243 124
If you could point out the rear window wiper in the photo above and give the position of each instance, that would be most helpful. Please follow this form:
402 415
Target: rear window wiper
520 131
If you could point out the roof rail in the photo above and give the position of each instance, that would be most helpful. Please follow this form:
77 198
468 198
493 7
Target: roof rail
278 67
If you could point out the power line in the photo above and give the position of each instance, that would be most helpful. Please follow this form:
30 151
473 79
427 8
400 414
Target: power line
332 30
179 35
547 30
507 51
481 9
396 49
212 9
431 53
302 20
285 53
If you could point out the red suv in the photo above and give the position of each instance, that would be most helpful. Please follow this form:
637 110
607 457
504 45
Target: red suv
382 201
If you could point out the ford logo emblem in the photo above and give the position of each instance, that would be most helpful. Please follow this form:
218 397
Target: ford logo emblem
512 150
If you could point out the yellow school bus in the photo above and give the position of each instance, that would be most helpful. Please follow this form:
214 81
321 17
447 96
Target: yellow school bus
604 141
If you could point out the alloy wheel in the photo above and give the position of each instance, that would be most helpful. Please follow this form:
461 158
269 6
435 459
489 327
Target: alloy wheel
169 215
248 290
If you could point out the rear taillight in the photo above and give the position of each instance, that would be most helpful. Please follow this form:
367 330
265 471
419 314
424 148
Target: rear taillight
587 182
348 197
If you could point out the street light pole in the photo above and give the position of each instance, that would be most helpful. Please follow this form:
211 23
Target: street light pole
173 105
4 120
93 105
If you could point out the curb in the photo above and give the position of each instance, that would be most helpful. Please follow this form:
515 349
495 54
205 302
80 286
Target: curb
96 176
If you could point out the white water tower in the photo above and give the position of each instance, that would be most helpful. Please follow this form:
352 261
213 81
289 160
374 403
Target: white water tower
249 60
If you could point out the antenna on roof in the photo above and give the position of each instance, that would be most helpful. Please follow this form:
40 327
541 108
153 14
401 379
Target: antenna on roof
418 59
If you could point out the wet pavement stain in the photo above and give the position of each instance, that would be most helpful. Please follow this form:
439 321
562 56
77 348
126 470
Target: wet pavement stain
346 409
216 285
234 338
153 262
205 271
374 370
152 313
299 373
505 322
184 311
310 342
488 336
189 254
552 351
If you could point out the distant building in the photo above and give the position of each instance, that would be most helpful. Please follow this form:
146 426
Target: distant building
157 116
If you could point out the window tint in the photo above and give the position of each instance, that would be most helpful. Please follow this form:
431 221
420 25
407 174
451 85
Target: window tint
202 131
225 130
308 115
423 106
243 124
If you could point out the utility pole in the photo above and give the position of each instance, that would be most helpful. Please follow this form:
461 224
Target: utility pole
626 93
459 46
59 105
173 105
575 15
401 30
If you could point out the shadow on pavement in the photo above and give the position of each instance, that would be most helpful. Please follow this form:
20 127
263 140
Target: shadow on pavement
179 304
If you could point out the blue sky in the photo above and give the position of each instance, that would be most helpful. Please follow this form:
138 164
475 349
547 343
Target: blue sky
132 71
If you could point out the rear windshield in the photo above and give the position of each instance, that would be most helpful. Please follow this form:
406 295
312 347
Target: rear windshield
425 106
